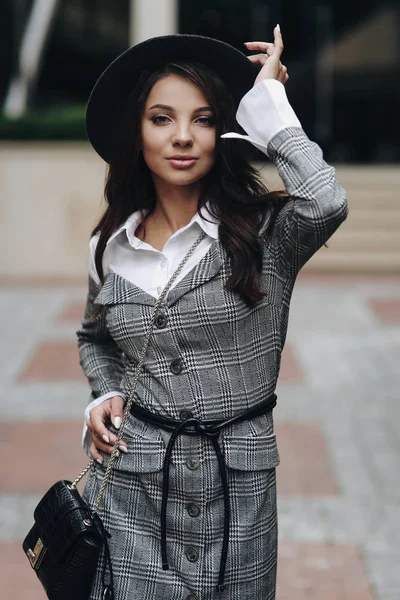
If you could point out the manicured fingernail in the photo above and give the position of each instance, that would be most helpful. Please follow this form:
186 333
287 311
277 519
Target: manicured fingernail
117 422
123 449
118 453
105 438
278 27
99 460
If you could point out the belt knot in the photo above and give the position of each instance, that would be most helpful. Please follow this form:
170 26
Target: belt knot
211 431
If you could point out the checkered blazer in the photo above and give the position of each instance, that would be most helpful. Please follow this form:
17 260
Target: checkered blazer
215 357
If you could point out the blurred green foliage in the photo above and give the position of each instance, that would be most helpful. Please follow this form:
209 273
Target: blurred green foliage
59 123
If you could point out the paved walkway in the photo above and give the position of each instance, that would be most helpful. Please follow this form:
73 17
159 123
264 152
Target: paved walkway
337 424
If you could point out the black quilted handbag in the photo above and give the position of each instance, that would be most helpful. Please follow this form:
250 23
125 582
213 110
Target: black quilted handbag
64 544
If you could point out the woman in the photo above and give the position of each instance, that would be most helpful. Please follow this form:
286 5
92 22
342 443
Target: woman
206 527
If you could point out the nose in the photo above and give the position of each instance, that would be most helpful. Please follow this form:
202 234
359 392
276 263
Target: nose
182 136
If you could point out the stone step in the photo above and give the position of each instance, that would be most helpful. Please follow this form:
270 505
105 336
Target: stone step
373 199
367 240
373 220
373 188
328 259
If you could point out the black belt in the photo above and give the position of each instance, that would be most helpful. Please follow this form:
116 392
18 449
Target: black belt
208 429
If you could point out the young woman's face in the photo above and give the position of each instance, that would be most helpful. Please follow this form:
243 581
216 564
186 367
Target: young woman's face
178 132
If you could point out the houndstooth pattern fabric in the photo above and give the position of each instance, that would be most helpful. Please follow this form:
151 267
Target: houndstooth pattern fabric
215 357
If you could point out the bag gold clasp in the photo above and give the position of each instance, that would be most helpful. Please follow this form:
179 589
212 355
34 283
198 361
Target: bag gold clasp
36 555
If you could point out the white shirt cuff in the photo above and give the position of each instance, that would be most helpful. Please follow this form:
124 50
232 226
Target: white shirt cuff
86 438
263 112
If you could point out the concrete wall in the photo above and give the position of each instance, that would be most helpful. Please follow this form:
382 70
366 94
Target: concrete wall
50 198
51 195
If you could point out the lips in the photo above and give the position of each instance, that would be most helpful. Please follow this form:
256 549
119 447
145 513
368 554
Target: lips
182 161
182 157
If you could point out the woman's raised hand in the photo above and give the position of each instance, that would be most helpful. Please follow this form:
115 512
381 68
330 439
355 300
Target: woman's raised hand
269 58
110 410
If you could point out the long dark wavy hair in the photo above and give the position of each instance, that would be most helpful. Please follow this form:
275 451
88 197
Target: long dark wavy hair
237 196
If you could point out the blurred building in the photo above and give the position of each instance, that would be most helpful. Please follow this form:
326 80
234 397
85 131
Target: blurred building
343 59
344 85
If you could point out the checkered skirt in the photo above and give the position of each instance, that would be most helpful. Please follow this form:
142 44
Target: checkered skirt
195 513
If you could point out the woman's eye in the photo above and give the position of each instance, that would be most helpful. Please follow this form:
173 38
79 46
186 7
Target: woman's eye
163 120
159 119
205 121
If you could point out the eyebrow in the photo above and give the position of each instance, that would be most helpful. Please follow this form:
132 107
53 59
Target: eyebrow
166 107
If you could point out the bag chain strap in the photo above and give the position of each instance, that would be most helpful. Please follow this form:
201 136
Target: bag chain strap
129 402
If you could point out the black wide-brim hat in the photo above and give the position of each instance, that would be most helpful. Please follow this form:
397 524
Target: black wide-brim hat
109 95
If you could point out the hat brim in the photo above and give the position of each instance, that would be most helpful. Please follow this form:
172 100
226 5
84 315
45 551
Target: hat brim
111 90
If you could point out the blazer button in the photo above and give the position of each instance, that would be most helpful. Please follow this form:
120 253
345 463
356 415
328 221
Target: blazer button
185 414
193 463
192 555
161 320
193 509
176 366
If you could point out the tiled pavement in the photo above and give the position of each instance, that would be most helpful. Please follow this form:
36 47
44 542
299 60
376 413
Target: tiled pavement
337 424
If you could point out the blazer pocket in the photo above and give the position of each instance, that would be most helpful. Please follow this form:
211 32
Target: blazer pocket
251 453
143 456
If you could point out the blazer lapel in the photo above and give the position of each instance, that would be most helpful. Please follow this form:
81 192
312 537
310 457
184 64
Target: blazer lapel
204 270
118 290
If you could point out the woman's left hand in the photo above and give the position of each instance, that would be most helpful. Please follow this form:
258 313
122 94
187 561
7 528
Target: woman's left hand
270 58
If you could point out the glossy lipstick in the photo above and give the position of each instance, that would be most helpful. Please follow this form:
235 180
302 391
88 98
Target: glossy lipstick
182 161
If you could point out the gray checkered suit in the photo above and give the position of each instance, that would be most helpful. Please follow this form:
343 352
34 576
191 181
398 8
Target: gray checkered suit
214 357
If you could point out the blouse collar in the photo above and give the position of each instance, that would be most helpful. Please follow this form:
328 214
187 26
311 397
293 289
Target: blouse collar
210 226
